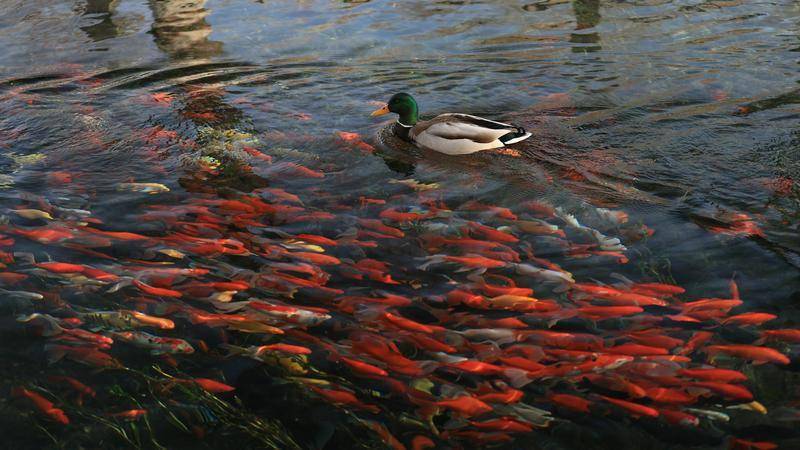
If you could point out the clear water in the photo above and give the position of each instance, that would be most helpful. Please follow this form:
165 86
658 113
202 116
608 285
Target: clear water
683 114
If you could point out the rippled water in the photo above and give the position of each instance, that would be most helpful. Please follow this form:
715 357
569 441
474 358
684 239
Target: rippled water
683 114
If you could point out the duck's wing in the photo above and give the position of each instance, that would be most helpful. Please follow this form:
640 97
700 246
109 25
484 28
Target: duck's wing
464 126
459 134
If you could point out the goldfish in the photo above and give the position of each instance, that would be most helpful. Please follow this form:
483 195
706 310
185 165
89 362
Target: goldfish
759 355
783 335
416 185
714 374
125 319
749 319
339 397
420 442
129 415
465 406
467 261
146 188
156 344
156 291
82 355
59 267
33 214
207 384
729 391
44 406
633 408
571 402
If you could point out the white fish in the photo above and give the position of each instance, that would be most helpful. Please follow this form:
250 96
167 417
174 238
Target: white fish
147 188
548 275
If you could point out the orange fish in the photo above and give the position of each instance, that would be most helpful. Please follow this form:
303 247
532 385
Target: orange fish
130 415
158 292
572 402
729 391
59 267
344 398
631 407
759 355
752 318
44 406
209 385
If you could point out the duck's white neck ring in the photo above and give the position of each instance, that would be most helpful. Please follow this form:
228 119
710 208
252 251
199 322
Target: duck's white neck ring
404 125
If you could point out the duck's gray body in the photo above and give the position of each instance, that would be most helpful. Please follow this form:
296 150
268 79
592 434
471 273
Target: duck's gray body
460 134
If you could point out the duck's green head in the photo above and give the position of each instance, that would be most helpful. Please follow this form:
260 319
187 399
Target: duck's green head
402 104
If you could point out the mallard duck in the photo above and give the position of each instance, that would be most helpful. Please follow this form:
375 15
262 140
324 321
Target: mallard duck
452 133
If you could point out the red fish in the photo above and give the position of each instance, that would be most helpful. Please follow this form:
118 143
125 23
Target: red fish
158 292
59 267
44 406
362 368
503 424
209 385
752 318
76 385
714 374
634 408
790 336
729 391
667 395
344 398
465 406
572 402
759 355
130 415
420 442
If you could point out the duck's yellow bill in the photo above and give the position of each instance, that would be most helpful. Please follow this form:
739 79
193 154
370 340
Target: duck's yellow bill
380 112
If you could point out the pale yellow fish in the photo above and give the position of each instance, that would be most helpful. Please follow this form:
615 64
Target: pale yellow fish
314 381
752 406
147 188
416 185
254 327
504 301
172 253
33 214
305 246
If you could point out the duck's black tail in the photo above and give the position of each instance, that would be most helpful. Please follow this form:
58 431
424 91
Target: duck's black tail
515 136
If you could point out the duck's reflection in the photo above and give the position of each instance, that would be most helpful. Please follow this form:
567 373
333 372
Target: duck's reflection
180 28
587 15
103 10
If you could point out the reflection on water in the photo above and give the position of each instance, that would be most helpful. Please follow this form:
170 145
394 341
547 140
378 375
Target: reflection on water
180 29
587 15
102 11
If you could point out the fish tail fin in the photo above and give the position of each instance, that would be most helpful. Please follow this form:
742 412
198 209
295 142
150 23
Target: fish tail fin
428 367
233 350
54 353
430 260
364 313
734 289
490 352
230 306
17 391
454 338
517 377
124 282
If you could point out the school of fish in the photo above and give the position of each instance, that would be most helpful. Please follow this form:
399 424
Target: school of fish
437 320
